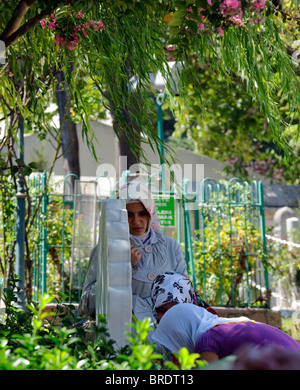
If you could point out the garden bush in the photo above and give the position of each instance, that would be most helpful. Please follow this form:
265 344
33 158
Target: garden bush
228 255
30 341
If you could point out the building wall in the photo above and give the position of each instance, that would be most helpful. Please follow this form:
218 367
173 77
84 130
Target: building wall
105 152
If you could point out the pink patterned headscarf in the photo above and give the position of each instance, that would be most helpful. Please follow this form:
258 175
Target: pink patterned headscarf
134 191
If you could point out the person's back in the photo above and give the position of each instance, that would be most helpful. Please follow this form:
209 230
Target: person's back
226 339
213 337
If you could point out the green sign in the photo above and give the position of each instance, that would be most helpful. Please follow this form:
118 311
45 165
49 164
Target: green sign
165 208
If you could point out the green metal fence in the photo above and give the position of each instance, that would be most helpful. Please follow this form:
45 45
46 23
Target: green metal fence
229 251
52 234
221 229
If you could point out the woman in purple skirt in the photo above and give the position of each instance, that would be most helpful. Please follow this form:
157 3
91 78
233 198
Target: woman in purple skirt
214 337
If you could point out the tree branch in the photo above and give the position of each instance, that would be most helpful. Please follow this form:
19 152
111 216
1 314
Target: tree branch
13 32
25 28
16 19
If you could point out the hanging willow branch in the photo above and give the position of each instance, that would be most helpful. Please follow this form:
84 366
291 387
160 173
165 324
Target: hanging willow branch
251 41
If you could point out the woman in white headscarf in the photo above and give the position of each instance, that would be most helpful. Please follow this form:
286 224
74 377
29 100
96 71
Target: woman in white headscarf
214 337
152 253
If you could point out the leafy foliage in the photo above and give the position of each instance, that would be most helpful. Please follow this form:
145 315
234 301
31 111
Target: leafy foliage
30 341
232 129
134 40
259 57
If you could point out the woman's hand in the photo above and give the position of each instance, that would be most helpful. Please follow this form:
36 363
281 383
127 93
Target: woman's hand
135 255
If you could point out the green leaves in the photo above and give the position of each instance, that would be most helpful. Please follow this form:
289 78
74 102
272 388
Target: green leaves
177 18
72 345
133 44
25 169
187 360
192 25
142 354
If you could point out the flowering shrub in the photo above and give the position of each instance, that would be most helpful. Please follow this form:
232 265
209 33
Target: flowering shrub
232 10
192 17
70 28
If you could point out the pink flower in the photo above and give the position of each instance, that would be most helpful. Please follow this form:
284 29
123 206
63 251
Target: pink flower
259 4
43 23
237 19
52 24
209 2
220 31
80 15
71 45
229 7
97 25
60 40
100 25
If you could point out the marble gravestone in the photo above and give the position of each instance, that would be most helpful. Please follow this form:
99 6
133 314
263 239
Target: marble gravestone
113 288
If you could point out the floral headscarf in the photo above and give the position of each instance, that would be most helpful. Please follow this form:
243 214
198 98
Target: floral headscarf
174 287
171 287
135 191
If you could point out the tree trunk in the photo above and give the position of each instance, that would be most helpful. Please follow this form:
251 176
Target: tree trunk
124 157
69 139
126 128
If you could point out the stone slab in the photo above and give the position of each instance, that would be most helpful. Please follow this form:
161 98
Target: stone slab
267 316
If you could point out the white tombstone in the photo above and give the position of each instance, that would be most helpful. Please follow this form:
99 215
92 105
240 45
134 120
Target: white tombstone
2 53
2 310
292 225
113 288
280 218
284 222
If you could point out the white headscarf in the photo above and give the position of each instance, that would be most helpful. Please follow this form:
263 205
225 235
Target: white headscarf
183 324
134 191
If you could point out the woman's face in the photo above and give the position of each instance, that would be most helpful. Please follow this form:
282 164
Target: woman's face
163 308
138 218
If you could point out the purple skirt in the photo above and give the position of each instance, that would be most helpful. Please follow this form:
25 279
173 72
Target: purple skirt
225 339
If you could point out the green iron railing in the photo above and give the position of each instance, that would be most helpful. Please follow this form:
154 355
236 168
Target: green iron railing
51 237
230 248
221 229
